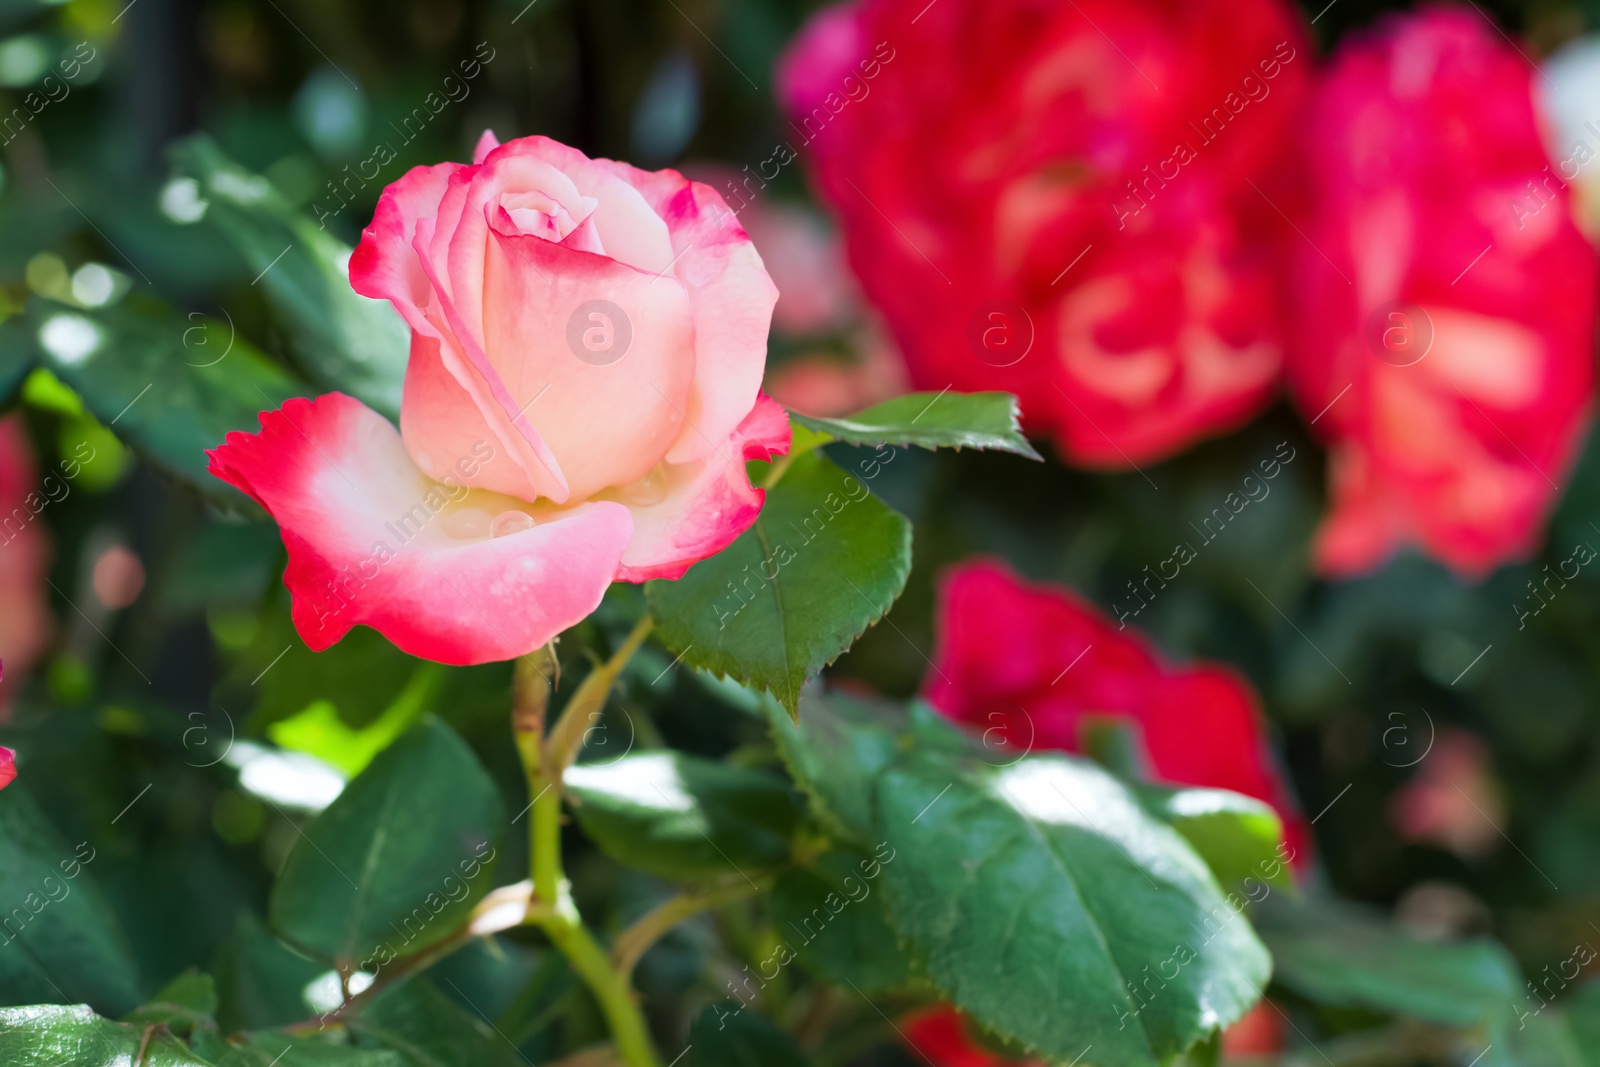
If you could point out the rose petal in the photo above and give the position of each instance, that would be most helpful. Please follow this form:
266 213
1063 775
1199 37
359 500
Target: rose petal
684 512
632 231
466 362
440 421
607 418
487 142
386 266
8 767
371 541
457 248
732 297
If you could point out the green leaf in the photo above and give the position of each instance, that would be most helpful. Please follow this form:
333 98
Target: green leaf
359 677
74 1036
59 939
729 1035
17 355
429 1029
320 731
933 420
824 561
345 341
1109 930
1582 1011
193 990
269 1049
1047 870
831 915
261 982
136 375
683 817
1239 837
1561 1033
398 861
835 751
1335 954
187 1001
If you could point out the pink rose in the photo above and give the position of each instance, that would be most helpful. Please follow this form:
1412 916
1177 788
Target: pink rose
587 347
1444 297
8 766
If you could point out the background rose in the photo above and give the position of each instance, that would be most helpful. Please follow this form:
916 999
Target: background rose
549 443
1420 146
1030 664
940 1035
975 151
24 559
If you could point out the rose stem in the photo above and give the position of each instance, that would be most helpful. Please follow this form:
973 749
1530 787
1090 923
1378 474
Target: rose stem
544 760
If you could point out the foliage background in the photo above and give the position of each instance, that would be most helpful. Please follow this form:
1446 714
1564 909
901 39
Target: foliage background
116 704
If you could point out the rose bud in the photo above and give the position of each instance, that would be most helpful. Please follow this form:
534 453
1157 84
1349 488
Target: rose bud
587 347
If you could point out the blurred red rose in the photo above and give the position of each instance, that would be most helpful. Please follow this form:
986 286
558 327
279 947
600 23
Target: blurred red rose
118 577
1029 664
24 558
1446 327
1259 1033
1056 200
940 1034
8 766
1453 801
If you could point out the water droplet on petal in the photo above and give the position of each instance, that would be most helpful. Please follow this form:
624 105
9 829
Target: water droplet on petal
510 522
651 489
468 524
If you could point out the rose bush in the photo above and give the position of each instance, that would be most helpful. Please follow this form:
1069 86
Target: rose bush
1445 329
587 346
1064 201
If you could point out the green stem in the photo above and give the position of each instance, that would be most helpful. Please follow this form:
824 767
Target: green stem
637 939
544 760
610 986
546 841
779 468
566 736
